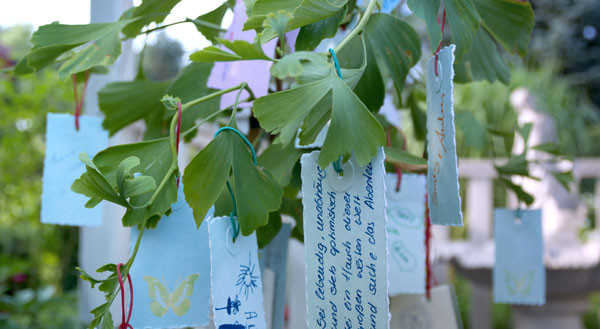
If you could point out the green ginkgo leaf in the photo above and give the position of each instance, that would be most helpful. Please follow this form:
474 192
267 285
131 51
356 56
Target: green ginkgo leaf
428 11
242 50
147 12
322 96
464 23
304 12
255 190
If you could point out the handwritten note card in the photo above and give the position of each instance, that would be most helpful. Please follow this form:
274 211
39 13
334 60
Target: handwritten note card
62 166
519 273
345 244
442 173
416 312
235 276
406 233
171 272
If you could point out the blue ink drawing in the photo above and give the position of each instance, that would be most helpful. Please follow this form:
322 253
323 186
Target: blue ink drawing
232 326
233 306
246 279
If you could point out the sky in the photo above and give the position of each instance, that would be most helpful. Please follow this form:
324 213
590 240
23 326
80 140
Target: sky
78 12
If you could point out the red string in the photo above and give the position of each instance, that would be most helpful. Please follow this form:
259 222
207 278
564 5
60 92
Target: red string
440 45
79 102
428 271
397 169
125 324
178 130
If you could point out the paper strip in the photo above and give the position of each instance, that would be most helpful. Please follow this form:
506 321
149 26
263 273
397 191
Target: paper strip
345 244
442 173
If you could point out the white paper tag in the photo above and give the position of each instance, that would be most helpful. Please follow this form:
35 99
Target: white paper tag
345 244
236 285
416 312
406 233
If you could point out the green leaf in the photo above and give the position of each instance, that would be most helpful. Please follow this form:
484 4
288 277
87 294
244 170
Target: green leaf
266 233
171 103
293 207
126 102
255 190
348 116
147 12
275 25
242 50
292 65
485 60
311 35
214 17
304 12
129 184
400 157
550 148
417 114
564 178
475 134
516 165
94 184
52 40
395 44
370 88
510 22
280 161
155 161
428 11
518 190
464 22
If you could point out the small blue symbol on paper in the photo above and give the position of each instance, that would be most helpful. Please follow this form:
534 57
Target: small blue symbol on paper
247 279
233 306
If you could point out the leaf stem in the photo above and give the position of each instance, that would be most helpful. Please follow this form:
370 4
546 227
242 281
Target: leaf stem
206 24
359 27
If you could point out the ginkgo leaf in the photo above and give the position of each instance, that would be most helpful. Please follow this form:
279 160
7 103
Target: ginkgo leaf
311 35
464 23
256 192
242 50
284 112
304 12
95 185
52 40
133 184
428 11
275 25
147 12
214 17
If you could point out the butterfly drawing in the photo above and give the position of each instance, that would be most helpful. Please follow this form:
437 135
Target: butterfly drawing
163 300
518 285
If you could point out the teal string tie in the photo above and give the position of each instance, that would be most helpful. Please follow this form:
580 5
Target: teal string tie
235 224
337 166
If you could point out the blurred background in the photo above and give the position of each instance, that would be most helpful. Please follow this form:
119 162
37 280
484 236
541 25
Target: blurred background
38 280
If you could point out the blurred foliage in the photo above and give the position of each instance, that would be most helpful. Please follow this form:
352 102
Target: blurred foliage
37 279
162 58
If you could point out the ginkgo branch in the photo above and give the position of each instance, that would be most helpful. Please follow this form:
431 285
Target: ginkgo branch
359 27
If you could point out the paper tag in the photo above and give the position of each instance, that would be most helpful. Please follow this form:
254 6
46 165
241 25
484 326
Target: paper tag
62 167
273 259
236 285
415 312
171 272
345 244
442 173
406 233
519 272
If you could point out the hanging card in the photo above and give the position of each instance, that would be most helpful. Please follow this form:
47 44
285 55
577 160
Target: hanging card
416 312
171 272
442 173
406 233
62 167
236 284
345 244
519 273
273 266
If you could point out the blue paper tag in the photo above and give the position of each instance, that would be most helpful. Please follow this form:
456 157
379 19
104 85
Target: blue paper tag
519 272
235 276
171 272
273 267
62 167
345 244
406 233
442 173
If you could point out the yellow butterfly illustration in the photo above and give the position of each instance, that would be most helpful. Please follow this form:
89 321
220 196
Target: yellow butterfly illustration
178 300
518 285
